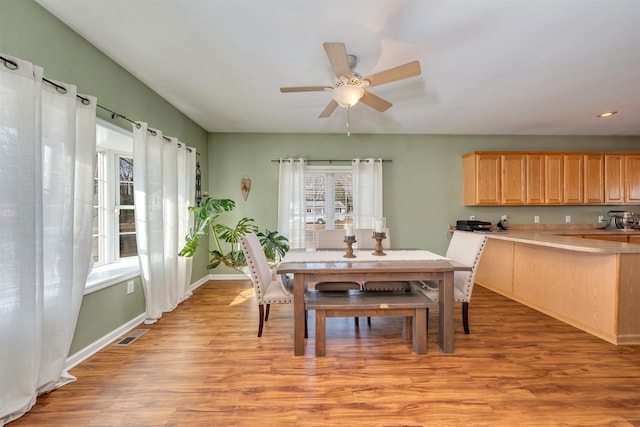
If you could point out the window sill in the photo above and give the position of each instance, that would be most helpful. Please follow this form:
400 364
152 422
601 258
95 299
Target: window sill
108 275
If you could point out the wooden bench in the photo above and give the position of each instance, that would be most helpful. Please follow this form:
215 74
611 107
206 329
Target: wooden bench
410 304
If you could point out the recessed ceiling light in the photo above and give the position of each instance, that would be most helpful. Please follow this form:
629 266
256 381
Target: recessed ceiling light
607 114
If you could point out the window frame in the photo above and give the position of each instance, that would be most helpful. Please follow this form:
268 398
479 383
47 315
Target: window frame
110 268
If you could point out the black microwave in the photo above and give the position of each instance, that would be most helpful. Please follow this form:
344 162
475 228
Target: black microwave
473 225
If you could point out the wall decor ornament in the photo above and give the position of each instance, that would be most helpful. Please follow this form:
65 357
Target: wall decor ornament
245 186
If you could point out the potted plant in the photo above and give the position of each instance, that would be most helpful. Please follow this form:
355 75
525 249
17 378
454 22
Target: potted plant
226 239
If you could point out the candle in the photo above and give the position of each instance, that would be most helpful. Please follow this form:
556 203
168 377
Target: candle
348 230
379 226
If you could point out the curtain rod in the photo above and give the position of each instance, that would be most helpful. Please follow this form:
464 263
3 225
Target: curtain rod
330 161
12 65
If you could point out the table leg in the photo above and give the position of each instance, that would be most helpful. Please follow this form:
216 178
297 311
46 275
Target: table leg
298 314
446 313
321 332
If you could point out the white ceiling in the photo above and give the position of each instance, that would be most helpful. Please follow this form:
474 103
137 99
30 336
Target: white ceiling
537 67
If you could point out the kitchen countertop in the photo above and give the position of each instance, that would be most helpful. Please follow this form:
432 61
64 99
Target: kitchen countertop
558 238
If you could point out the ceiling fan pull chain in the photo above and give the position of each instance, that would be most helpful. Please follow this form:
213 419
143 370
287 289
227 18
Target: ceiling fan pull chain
348 121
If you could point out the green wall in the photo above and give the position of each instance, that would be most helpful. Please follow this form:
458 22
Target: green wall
422 183
29 32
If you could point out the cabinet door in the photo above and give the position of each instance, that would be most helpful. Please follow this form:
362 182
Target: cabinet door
535 179
573 186
513 179
488 177
553 179
632 178
593 178
614 178
634 239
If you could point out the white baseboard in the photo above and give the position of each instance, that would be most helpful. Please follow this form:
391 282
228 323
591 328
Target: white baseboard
98 345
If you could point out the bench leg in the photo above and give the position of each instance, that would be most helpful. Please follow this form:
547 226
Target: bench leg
420 331
321 331
407 328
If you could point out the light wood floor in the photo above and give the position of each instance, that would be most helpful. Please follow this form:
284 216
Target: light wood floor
202 365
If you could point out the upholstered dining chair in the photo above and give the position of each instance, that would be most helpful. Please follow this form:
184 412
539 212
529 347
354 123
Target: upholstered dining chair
334 239
466 247
269 287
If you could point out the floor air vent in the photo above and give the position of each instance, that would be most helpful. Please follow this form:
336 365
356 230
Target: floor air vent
134 335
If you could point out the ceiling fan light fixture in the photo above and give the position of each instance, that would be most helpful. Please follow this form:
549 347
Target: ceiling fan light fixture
347 95
348 91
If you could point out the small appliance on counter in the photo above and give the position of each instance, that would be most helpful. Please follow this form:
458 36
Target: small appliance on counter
473 225
621 220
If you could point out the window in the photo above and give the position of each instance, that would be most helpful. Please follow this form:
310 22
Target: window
329 199
315 197
114 235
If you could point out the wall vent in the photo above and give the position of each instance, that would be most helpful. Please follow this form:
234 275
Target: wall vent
134 335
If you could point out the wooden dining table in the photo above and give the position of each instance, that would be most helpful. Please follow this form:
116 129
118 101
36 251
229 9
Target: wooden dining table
405 265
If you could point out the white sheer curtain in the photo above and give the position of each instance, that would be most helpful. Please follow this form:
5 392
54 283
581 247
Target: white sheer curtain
164 187
291 201
367 191
47 146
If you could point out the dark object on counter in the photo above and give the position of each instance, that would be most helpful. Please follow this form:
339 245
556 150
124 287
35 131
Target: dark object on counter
503 224
473 225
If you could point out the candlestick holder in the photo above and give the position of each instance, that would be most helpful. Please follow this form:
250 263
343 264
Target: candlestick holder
349 240
379 237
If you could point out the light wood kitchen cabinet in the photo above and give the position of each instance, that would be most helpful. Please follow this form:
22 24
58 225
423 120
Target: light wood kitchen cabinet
592 287
482 179
634 239
573 183
632 178
594 178
535 184
513 179
553 179
614 172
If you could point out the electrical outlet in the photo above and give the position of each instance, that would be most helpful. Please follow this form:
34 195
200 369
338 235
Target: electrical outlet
504 217
600 218
472 217
130 287
536 219
567 218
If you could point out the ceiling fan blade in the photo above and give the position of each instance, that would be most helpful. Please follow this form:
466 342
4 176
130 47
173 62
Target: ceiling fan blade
328 109
304 89
400 72
337 54
376 102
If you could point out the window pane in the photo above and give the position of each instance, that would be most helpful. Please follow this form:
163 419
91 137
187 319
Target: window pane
128 245
96 222
126 194
126 169
95 244
126 181
127 221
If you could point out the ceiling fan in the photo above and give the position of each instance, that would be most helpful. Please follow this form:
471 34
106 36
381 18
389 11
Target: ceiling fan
349 87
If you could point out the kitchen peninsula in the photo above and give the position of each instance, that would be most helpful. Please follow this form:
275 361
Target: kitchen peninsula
590 283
